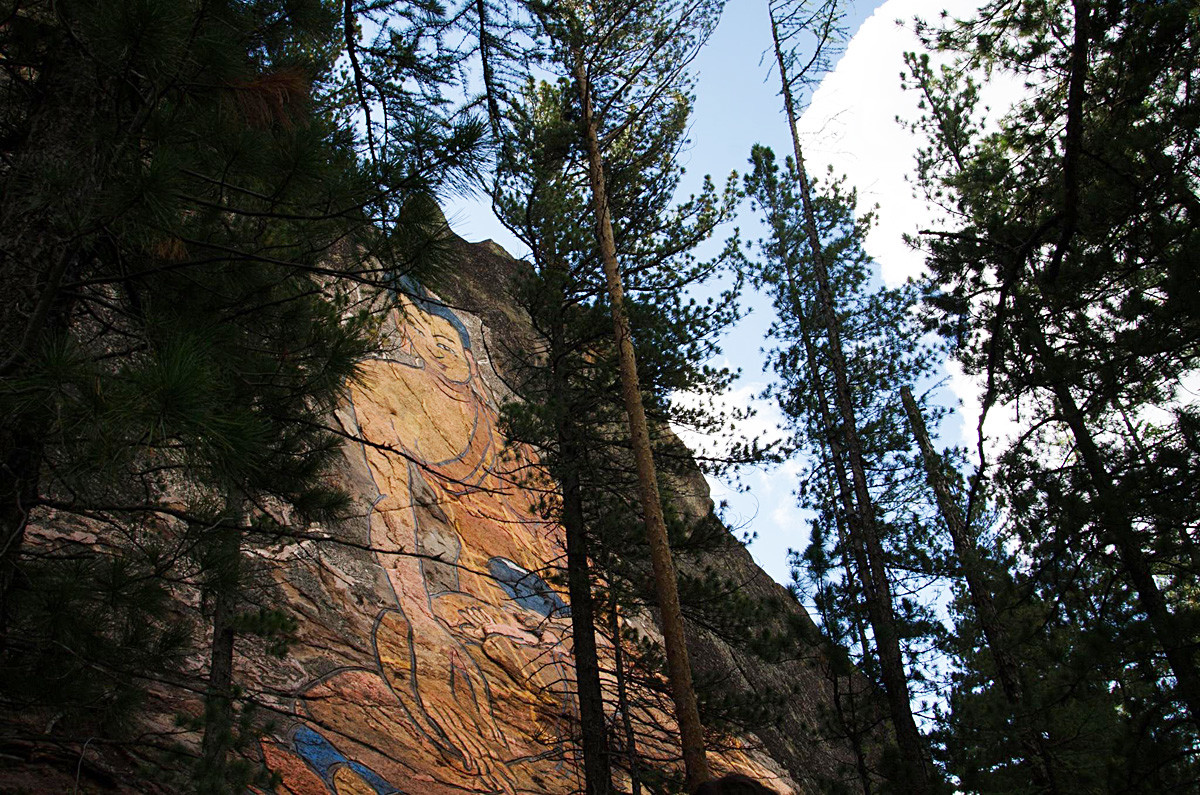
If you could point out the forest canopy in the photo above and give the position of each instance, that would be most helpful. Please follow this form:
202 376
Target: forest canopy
210 209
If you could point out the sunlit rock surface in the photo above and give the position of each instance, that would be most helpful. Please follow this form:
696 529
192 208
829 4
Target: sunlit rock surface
461 678
433 652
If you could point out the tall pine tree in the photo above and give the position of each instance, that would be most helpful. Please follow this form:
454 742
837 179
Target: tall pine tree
1060 277
845 430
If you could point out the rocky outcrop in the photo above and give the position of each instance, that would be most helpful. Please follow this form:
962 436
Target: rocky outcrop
433 654
449 670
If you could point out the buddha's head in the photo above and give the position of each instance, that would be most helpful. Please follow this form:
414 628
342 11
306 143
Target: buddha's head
438 337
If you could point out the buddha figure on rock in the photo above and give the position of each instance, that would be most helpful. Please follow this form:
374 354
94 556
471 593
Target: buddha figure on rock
470 689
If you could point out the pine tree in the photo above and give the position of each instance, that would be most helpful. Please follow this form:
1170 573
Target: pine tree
788 21
882 352
538 206
1061 278
982 579
627 62
190 223
567 387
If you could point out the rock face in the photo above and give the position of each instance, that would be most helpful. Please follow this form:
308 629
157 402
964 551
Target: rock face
449 670
433 654
465 684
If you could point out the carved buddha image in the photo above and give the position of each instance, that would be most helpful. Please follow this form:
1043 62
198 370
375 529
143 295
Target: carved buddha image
470 688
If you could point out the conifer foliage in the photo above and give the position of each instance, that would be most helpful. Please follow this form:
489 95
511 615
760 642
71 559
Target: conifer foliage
846 352
191 231
627 62
1064 279
570 405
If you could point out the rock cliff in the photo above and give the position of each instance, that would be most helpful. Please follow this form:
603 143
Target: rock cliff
433 650
431 676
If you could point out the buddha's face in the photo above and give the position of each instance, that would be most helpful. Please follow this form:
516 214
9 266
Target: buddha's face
437 341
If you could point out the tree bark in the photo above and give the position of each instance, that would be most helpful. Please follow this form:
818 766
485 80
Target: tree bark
1177 642
597 773
853 732
218 699
1007 668
837 458
635 777
915 766
1073 135
666 587
999 643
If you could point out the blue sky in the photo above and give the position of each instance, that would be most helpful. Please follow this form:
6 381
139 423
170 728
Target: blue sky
851 124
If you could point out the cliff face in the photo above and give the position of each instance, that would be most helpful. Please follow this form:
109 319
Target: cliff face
433 656
450 670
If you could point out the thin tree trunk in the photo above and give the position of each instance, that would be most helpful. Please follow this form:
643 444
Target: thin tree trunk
50 130
1073 135
597 773
853 732
1176 641
860 629
837 458
218 707
1007 668
635 778
837 453
666 587
998 641
24 444
915 765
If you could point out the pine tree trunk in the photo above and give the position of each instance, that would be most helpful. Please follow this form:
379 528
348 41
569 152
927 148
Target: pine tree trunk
1007 667
666 587
635 777
61 106
998 641
597 773
915 766
1176 641
853 732
218 707
860 629
24 443
837 458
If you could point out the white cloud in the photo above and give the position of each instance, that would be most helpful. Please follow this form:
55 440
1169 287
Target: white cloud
765 424
788 515
852 124
1002 425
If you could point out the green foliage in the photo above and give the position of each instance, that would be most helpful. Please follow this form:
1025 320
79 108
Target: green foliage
884 350
569 381
91 627
197 233
240 740
1064 279
205 204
